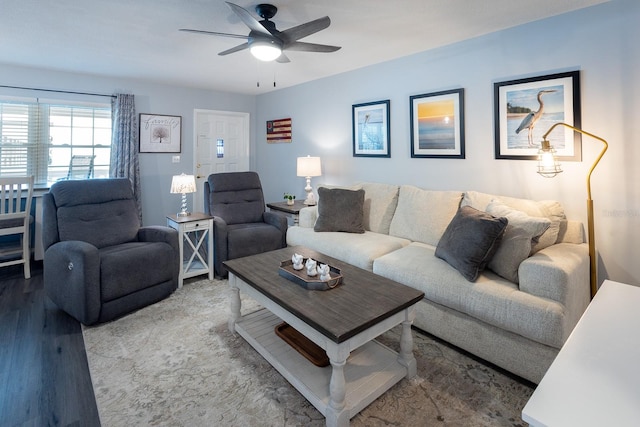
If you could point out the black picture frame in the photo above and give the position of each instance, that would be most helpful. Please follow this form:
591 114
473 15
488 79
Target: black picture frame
437 124
160 133
515 100
371 123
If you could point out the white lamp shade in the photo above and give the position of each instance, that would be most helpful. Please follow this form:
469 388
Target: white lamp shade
309 166
182 184
265 51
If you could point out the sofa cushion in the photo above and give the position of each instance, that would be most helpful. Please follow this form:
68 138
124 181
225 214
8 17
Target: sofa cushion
423 215
522 232
470 241
356 249
380 201
571 232
545 208
340 210
490 298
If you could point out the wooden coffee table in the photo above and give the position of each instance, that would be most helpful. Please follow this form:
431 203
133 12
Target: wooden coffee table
343 321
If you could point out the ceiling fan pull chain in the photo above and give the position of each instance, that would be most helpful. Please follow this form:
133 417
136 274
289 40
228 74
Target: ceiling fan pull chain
258 73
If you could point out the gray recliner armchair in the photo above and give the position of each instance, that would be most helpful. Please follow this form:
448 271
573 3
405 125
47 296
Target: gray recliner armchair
99 263
241 224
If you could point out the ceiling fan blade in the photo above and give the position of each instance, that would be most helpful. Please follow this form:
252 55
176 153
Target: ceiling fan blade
238 48
303 30
282 59
248 19
213 33
311 47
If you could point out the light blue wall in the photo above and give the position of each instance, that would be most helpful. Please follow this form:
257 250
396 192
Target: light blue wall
156 169
599 41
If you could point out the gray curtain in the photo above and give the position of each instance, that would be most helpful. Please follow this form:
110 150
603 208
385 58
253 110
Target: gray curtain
124 144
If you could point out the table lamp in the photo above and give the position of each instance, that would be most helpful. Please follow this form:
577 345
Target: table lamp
549 167
308 167
183 184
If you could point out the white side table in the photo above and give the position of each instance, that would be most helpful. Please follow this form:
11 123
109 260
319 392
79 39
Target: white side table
594 380
194 230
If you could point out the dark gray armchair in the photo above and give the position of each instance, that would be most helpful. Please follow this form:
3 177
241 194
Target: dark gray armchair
241 225
99 264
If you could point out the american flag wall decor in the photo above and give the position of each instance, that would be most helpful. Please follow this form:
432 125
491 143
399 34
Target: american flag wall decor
278 131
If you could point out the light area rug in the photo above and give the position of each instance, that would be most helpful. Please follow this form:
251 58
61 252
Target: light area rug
175 363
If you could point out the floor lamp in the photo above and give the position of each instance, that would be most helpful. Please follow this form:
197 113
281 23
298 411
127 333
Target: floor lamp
549 167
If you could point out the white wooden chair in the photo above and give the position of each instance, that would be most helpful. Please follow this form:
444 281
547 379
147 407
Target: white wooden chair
15 217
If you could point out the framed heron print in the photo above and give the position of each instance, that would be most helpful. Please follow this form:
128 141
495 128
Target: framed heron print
371 129
525 109
437 124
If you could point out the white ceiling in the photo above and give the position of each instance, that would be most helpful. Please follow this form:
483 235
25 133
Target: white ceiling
140 38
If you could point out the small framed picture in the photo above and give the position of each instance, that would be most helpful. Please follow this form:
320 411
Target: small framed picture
525 109
371 129
437 124
160 133
279 131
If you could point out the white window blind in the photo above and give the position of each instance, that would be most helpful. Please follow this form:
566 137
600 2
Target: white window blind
39 138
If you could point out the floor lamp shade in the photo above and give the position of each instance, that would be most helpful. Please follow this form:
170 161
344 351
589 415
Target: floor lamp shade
308 167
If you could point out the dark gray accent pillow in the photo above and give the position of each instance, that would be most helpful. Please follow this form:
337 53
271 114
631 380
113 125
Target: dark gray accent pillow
470 240
340 210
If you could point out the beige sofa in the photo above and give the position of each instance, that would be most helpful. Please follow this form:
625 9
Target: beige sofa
519 326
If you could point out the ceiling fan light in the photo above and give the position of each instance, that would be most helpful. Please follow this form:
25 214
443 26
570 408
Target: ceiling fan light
265 51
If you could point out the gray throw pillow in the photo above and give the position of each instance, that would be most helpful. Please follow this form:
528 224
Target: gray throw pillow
520 236
470 240
340 210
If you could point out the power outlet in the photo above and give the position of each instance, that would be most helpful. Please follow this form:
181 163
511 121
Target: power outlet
175 159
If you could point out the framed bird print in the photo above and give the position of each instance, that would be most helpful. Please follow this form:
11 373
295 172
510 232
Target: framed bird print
371 129
525 109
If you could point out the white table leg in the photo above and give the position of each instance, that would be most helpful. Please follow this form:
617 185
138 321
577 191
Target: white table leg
405 357
210 251
337 415
235 303
181 250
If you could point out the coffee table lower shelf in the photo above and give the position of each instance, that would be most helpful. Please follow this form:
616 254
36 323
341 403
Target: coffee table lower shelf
370 369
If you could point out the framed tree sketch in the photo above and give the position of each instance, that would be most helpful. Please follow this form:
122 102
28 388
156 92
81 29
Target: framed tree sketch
371 129
160 133
525 109
437 124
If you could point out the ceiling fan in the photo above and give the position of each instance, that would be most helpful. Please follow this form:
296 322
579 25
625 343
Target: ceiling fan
267 43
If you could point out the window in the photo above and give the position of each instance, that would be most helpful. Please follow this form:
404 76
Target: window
40 138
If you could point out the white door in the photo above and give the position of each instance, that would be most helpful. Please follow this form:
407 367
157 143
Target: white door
221 144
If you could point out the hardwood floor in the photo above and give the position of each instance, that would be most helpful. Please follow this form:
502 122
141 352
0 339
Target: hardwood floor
44 375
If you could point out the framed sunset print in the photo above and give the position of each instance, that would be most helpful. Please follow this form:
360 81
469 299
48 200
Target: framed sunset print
437 124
